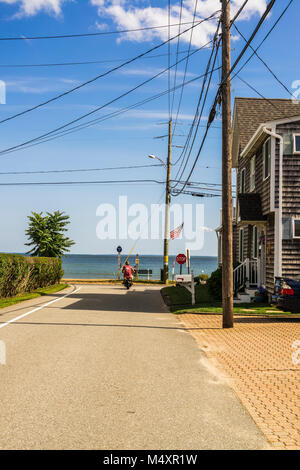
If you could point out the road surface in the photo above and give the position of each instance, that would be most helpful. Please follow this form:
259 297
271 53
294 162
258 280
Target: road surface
103 368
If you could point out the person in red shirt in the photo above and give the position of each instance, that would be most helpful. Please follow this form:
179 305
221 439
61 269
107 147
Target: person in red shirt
128 271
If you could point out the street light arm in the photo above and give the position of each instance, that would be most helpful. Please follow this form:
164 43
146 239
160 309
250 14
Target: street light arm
159 159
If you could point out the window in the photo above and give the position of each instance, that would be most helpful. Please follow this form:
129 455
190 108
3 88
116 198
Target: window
243 181
296 228
254 242
266 159
241 245
297 143
252 173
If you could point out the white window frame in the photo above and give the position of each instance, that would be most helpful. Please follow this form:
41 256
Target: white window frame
264 160
255 228
243 172
252 173
295 151
241 244
294 219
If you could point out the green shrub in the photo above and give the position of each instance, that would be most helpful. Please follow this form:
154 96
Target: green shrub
214 284
201 277
19 274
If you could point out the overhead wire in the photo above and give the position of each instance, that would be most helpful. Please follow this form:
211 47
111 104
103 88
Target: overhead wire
98 120
177 53
98 33
185 70
92 80
198 116
92 111
217 97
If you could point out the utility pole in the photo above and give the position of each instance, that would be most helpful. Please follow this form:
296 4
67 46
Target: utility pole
227 258
167 209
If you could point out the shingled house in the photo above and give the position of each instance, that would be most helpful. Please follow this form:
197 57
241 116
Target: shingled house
266 158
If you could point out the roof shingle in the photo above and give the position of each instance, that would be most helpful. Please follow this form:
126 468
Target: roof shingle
251 112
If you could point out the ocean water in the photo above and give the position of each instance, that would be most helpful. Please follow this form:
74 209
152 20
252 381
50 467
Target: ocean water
106 266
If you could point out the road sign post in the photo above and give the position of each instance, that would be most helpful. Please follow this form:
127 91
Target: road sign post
187 281
181 259
119 250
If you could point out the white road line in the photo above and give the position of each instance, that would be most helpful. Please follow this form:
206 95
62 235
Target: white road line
38 308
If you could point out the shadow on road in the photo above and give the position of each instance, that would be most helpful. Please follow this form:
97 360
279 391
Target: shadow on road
109 325
130 301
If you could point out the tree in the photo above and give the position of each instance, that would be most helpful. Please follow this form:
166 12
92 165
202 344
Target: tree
46 234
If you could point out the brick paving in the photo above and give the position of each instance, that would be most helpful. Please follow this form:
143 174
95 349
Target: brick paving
256 358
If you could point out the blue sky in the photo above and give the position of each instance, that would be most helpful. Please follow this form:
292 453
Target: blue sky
129 138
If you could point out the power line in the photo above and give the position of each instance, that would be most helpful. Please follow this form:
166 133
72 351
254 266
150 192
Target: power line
100 33
197 115
91 112
100 119
257 92
185 69
75 170
177 53
114 69
60 183
92 122
238 12
91 62
218 94
266 65
265 38
169 59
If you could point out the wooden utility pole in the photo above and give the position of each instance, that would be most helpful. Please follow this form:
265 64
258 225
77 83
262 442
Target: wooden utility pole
167 209
227 258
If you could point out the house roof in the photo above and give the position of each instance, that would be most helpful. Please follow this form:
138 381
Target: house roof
249 113
250 207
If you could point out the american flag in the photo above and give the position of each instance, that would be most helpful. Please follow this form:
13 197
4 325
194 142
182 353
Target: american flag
176 232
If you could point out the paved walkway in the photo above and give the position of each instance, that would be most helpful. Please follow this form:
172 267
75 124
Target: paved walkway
104 368
256 358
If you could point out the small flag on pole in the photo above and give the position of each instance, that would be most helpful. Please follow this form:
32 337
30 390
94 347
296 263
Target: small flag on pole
176 232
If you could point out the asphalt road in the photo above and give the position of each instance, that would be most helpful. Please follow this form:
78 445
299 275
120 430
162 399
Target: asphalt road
103 368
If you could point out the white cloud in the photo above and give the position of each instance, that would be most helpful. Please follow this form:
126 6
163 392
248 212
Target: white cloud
126 15
38 85
32 7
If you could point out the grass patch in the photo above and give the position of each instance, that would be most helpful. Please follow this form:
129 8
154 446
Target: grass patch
6 302
179 300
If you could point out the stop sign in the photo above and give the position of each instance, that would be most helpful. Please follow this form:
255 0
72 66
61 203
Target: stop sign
181 258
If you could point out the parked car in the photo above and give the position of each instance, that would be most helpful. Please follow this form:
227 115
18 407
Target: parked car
287 294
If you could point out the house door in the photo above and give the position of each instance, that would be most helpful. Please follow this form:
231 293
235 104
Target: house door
262 258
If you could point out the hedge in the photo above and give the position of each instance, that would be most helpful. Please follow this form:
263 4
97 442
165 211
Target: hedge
20 274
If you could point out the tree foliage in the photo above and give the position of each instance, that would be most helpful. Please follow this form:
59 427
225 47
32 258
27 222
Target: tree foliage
46 234
214 284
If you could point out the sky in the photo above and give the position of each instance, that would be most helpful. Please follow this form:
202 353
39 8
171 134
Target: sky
125 140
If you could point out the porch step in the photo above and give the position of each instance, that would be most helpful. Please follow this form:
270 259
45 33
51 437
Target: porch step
237 301
244 298
251 292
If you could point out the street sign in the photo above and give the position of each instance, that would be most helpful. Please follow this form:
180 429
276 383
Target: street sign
181 258
119 249
183 278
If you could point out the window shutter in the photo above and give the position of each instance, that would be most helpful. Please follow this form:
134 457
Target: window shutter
287 144
287 229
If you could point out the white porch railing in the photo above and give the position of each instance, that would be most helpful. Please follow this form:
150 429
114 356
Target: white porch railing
246 274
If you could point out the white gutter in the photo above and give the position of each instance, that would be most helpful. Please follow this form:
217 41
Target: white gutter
278 228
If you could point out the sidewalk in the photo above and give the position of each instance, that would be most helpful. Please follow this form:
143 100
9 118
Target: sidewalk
256 358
